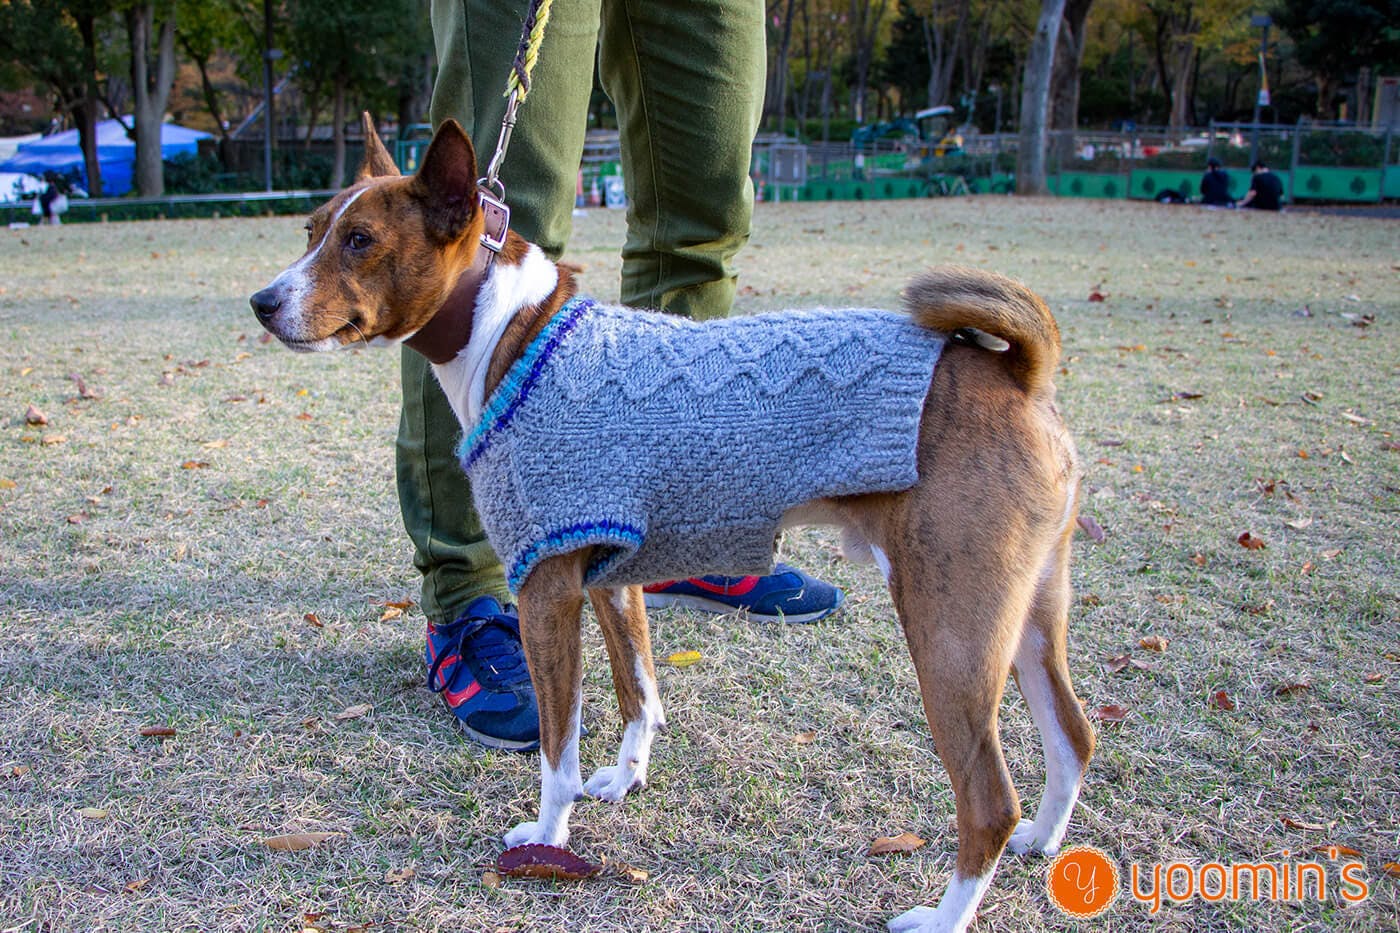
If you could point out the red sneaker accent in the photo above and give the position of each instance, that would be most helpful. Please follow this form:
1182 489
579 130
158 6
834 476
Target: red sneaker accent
457 698
658 587
741 587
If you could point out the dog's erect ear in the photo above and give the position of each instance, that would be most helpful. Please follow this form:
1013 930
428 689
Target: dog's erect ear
447 181
377 161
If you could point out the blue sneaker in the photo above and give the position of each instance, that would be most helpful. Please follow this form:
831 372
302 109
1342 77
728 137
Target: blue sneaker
478 665
785 595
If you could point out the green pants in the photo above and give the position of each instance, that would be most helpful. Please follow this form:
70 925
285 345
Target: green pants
686 78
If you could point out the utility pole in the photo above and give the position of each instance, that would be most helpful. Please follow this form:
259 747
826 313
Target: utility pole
1261 21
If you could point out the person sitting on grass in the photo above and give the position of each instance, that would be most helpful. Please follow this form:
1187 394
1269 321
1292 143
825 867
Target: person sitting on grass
1265 189
1215 185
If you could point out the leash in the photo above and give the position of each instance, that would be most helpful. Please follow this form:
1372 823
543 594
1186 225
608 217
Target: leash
492 191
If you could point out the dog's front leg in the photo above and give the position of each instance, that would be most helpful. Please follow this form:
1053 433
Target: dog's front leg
622 615
550 602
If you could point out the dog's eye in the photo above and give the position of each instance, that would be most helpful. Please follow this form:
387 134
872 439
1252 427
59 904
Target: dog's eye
307 228
358 240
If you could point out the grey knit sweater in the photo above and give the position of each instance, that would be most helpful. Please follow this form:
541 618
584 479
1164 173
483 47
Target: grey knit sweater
674 447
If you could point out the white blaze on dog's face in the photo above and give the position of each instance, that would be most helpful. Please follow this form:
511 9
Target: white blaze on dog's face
382 254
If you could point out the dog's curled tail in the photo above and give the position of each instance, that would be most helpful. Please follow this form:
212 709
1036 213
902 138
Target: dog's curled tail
958 300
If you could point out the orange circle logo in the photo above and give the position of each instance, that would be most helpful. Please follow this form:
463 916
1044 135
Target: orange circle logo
1083 881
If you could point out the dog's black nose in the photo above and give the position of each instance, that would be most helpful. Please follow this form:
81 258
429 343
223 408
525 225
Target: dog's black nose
265 304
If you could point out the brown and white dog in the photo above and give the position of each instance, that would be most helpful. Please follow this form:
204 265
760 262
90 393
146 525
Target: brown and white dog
976 554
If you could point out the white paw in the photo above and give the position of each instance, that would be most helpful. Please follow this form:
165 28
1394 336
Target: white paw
1023 840
921 920
614 783
530 833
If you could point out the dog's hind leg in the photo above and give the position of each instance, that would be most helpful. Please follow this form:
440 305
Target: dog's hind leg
961 633
551 600
623 617
1042 673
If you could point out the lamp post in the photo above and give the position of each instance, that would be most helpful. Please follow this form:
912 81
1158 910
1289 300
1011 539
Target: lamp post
1261 21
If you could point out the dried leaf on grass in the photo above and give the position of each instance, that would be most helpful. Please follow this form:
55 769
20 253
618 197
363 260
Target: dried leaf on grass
353 712
157 731
1221 700
1291 823
33 416
541 861
1335 851
1092 528
313 619
295 842
1290 689
624 872
805 738
489 879
92 813
1251 542
398 875
684 658
1391 869
1109 714
134 886
1153 643
905 842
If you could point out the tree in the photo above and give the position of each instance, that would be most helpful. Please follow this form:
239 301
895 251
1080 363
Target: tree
1035 100
57 43
344 48
152 74
1336 38
1064 77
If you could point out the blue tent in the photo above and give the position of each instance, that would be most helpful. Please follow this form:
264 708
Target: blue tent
116 153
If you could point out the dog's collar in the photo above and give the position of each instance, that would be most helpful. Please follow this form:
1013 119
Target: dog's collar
447 332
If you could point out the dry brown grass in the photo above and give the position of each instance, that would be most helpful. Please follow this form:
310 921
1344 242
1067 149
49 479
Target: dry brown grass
176 596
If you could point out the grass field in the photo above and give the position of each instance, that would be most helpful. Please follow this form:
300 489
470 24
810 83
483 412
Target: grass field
206 544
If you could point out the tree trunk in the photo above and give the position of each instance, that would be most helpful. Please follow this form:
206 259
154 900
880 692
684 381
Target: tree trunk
778 90
150 88
338 133
85 111
1064 82
1035 100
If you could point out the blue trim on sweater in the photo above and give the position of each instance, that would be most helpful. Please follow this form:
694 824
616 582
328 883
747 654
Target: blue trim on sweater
515 387
624 538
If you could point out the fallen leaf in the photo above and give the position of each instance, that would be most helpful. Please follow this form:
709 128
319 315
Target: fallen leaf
1097 296
219 444
1336 851
489 879
397 604
167 379
1299 524
1092 528
1301 686
684 658
804 738
1291 823
92 813
52 439
77 518
35 417
398 875
1392 869
304 416
1375 678
1390 445
541 861
194 465
154 731
312 618
1117 663
295 842
17 771
625 872
393 612
1331 553
353 712
904 842
1250 542
1198 559
1109 714
1153 643
1221 700
136 885
1090 599
8 484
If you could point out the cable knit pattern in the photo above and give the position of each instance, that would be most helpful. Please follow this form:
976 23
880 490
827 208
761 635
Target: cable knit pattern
674 447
